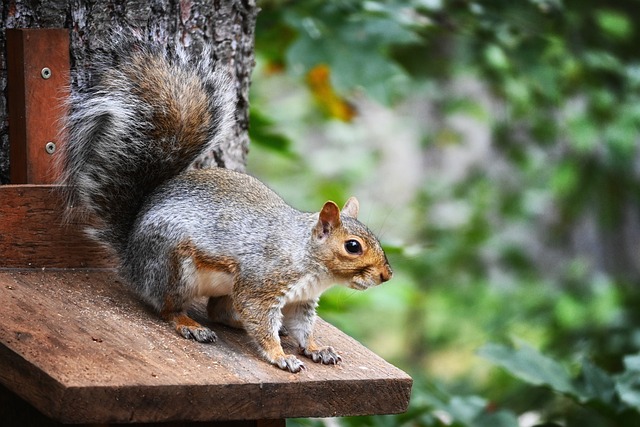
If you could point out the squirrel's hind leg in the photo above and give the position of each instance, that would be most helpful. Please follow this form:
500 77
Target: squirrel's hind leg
181 284
189 328
220 310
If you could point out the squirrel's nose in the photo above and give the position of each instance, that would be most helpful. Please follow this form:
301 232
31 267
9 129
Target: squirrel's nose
386 274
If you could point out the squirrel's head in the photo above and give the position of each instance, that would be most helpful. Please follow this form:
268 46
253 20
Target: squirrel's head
349 250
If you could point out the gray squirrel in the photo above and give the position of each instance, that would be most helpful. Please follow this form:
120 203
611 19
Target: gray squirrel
181 233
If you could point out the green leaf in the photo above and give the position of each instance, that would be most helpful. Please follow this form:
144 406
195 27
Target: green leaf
466 408
570 312
632 363
388 29
393 249
628 383
584 134
628 388
497 419
496 58
602 60
531 366
262 133
356 44
472 411
614 23
565 179
355 65
594 384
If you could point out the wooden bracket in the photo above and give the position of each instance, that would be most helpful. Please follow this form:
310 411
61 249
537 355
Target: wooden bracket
38 86
33 235
31 231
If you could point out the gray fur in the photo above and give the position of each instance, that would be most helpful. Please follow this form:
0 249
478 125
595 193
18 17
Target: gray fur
111 160
223 221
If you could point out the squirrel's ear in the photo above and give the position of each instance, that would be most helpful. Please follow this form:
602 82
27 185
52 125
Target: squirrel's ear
351 208
329 219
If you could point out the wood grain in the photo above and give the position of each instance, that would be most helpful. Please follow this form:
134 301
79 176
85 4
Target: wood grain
81 348
36 104
33 235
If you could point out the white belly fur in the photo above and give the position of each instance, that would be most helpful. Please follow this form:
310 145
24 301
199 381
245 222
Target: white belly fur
211 283
308 288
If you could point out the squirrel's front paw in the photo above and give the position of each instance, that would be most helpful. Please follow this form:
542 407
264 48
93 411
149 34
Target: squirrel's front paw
325 355
289 363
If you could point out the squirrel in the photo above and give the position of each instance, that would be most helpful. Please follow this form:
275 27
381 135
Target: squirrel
181 233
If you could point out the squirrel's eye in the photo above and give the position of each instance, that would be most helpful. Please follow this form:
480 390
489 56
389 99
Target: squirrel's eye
353 247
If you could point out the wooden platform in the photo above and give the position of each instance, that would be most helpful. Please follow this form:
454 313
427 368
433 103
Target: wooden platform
79 347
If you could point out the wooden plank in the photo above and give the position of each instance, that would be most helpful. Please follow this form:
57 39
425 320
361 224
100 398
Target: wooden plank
32 233
79 347
37 85
17 412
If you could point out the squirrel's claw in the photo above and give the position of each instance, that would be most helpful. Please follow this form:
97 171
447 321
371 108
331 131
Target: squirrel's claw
324 355
201 334
188 328
289 363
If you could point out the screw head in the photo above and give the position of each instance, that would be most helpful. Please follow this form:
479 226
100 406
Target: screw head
50 147
45 73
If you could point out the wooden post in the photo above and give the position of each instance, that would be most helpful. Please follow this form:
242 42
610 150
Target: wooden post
37 82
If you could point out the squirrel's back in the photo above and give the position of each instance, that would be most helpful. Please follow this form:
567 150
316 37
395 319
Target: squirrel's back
145 118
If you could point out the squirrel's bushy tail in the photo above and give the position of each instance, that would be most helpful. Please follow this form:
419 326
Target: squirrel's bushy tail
144 119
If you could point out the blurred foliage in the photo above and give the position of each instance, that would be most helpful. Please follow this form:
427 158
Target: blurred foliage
544 244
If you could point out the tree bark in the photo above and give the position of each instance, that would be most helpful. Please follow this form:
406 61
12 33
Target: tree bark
226 25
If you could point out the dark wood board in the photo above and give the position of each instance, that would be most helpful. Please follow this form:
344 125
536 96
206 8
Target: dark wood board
33 233
36 104
16 412
79 346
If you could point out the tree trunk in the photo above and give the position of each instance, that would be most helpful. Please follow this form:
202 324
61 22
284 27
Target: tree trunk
227 25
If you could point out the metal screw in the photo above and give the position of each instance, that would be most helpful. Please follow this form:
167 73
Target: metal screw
45 73
50 147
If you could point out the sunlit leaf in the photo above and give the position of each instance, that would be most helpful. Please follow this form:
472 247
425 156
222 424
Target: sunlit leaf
333 105
628 388
614 23
496 57
628 383
632 363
